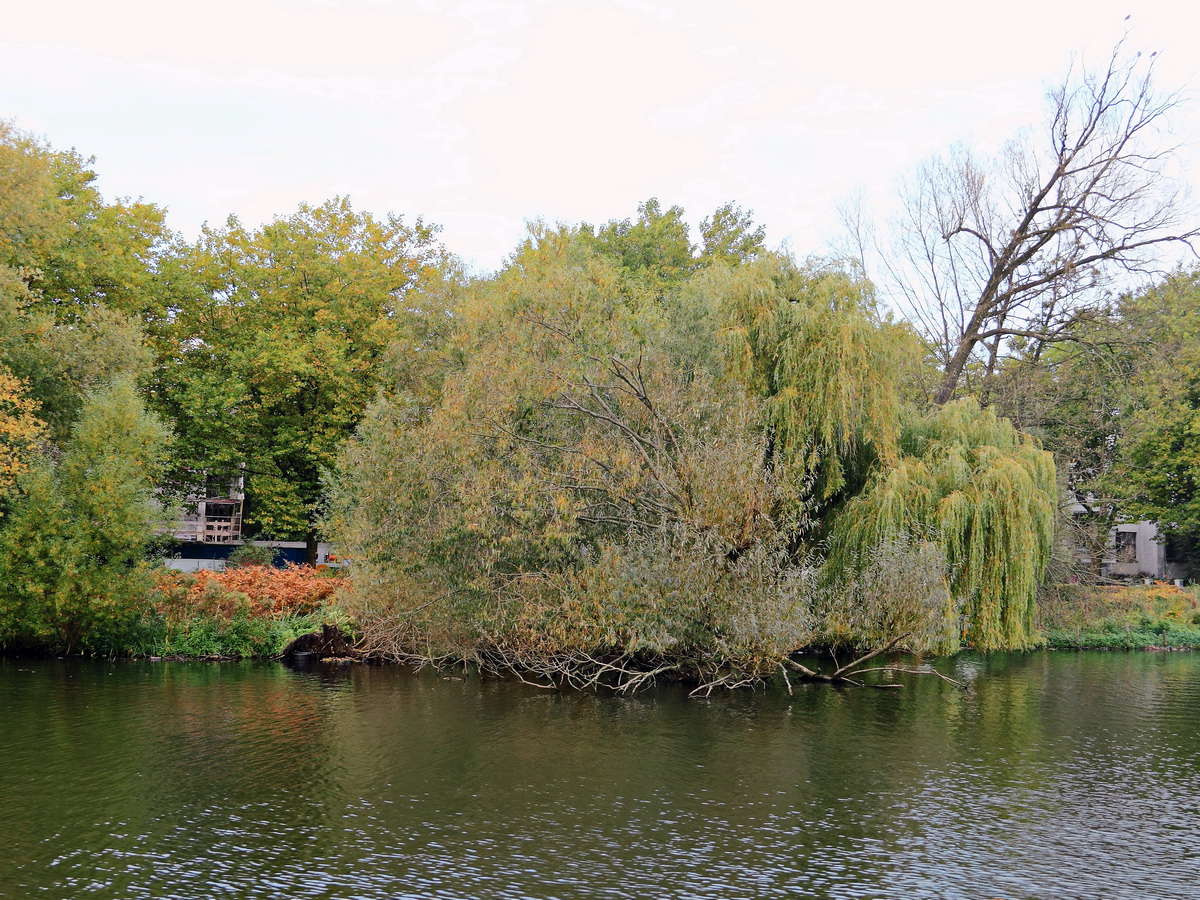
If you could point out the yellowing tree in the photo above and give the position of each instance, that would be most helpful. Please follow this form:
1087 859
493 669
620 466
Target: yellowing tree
20 429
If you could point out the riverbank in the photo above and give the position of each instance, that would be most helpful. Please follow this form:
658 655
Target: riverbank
248 612
261 612
1157 616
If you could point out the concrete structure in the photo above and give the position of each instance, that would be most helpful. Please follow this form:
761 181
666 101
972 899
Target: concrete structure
1135 551
189 556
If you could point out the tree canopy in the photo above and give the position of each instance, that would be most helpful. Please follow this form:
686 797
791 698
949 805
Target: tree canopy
277 341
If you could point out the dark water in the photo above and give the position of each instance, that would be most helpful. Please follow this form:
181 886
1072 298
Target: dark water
1056 775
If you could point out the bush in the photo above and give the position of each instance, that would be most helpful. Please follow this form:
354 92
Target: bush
258 591
72 549
253 555
241 612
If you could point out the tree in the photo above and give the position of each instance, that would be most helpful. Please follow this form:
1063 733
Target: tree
62 245
1021 249
657 251
985 496
576 492
616 482
1155 470
71 552
810 342
280 340
20 430
656 248
77 277
730 236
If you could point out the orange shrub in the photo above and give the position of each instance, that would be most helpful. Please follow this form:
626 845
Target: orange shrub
259 591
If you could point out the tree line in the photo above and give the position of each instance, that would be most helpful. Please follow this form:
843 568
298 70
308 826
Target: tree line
626 453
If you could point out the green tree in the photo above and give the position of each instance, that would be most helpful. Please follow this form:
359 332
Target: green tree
78 276
62 245
72 549
1156 471
656 248
280 340
809 341
985 496
730 236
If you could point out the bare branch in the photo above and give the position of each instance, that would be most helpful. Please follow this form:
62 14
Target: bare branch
1024 245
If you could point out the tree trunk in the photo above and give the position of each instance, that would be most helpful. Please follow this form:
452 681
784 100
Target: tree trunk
953 371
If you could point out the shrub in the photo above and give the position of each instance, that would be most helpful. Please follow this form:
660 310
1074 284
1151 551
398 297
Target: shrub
253 555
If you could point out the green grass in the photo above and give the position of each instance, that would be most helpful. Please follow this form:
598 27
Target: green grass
206 636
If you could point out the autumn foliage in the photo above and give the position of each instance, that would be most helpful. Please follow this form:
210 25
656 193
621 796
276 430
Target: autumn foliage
258 591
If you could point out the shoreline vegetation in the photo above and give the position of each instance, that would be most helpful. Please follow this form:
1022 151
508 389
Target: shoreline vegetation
294 614
641 450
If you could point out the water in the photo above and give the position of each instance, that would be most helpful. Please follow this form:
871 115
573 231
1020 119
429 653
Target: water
1056 775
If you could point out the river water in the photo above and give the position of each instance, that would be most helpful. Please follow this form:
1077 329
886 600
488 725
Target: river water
1051 775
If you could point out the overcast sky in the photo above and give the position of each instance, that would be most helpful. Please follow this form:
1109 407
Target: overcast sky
482 114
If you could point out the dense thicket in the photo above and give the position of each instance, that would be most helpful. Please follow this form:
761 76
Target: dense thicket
627 474
80 456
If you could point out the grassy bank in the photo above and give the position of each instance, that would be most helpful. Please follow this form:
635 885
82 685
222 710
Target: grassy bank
245 612
1121 617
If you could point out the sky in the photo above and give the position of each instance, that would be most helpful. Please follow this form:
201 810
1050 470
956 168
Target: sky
483 115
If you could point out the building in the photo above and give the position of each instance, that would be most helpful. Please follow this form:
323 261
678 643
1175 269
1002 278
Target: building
1137 552
209 527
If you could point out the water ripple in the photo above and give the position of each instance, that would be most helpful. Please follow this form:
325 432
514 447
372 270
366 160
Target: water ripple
1055 775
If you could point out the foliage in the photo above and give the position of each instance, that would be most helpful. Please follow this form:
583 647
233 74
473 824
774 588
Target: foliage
68 249
71 550
900 590
77 275
252 555
209 636
986 495
622 479
279 343
20 430
570 436
256 590
1122 617
808 341
665 602
1156 472
730 236
245 612
656 249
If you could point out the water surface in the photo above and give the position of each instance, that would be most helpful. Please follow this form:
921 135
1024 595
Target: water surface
1052 775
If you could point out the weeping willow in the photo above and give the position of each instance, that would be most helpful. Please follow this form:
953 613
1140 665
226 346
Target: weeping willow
808 341
985 494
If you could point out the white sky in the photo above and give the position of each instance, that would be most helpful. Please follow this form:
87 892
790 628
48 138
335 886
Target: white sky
482 114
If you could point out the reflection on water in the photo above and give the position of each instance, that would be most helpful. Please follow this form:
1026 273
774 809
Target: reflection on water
1052 775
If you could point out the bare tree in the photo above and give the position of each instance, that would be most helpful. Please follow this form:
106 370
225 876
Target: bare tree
1027 245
